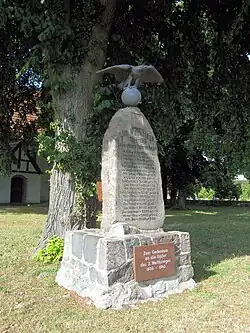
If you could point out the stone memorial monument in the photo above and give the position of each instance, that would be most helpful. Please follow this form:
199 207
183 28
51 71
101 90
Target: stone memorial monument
131 175
130 258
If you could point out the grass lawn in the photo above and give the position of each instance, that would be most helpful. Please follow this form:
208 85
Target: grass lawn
30 300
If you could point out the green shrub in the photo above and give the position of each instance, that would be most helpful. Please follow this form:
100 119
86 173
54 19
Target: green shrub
53 251
245 195
205 194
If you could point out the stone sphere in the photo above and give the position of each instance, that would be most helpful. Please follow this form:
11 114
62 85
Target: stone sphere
131 96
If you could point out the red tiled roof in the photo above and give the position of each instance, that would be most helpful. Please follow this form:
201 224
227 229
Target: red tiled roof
29 117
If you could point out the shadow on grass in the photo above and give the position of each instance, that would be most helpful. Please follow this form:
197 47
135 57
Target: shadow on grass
216 233
38 209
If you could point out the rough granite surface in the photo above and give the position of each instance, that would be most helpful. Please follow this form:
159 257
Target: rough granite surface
105 275
100 264
131 176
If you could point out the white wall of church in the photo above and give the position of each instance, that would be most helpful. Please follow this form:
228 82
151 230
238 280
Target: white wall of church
33 186
37 186
44 178
44 187
4 189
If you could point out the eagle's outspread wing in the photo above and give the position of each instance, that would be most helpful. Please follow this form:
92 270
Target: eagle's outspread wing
121 72
148 74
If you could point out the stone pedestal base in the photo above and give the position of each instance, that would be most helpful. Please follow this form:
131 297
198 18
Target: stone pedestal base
100 266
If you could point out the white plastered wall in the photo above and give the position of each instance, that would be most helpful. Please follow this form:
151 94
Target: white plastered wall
33 186
37 186
4 189
44 178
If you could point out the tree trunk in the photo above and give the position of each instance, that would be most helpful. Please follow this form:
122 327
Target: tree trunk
91 212
182 199
164 179
173 196
62 214
72 110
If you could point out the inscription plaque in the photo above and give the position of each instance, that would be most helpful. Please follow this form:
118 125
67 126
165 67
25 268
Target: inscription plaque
154 261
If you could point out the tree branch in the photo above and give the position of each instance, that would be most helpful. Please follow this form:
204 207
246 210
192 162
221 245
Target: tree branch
67 7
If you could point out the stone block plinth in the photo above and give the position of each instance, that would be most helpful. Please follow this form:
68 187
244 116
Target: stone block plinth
99 265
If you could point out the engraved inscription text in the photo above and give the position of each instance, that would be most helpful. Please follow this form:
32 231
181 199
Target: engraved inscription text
139 184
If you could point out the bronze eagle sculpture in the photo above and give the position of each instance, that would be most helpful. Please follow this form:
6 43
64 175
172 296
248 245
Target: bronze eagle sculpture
126 74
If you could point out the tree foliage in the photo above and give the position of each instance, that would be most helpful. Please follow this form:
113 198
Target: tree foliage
18 93
200 48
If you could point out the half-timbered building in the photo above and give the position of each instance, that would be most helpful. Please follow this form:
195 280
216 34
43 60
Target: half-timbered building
29 181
